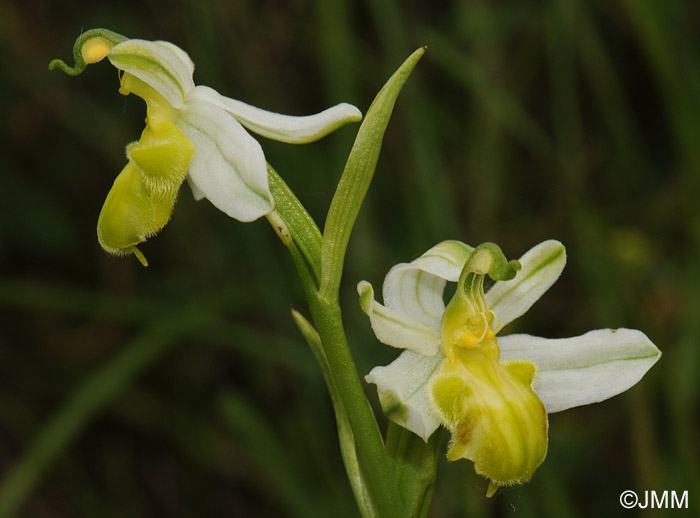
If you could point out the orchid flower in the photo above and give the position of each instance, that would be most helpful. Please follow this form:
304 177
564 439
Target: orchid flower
492 393
191 132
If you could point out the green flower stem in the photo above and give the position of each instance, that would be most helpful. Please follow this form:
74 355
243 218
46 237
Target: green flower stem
371 455
326 258
361 441
361 445
345 435
366 461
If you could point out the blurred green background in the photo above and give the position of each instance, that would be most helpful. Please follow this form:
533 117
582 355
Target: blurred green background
184 389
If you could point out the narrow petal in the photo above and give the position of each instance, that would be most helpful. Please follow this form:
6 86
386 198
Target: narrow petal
541 267
415 289
286 128
403 391
161 65
584 369
395 329
229 166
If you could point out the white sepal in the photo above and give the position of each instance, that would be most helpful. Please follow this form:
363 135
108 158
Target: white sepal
541 267
403 393
228 166
196 193
286 128
415 289
584 369
396 329
160 64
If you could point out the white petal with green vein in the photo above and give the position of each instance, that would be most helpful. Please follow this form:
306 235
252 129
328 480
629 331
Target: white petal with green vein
228 167
584 369
541 267
396 329
287 128
401 386
415 289
161 65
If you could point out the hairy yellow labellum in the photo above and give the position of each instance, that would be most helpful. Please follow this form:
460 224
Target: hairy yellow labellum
162 156
128 215
496 419
143 195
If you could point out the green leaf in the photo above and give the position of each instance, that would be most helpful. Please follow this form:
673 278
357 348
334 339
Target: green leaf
357 177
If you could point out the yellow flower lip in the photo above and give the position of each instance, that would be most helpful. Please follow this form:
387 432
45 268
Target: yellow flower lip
143 195
495 418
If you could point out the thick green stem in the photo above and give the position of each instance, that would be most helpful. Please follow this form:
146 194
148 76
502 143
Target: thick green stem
345 435
350 403
372 457
326 258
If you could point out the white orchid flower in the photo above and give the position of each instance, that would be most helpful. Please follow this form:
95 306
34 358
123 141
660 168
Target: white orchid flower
191 132
492 393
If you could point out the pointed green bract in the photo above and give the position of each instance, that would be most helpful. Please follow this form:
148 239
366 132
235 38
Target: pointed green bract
415 467
325 308
357 176
301 225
